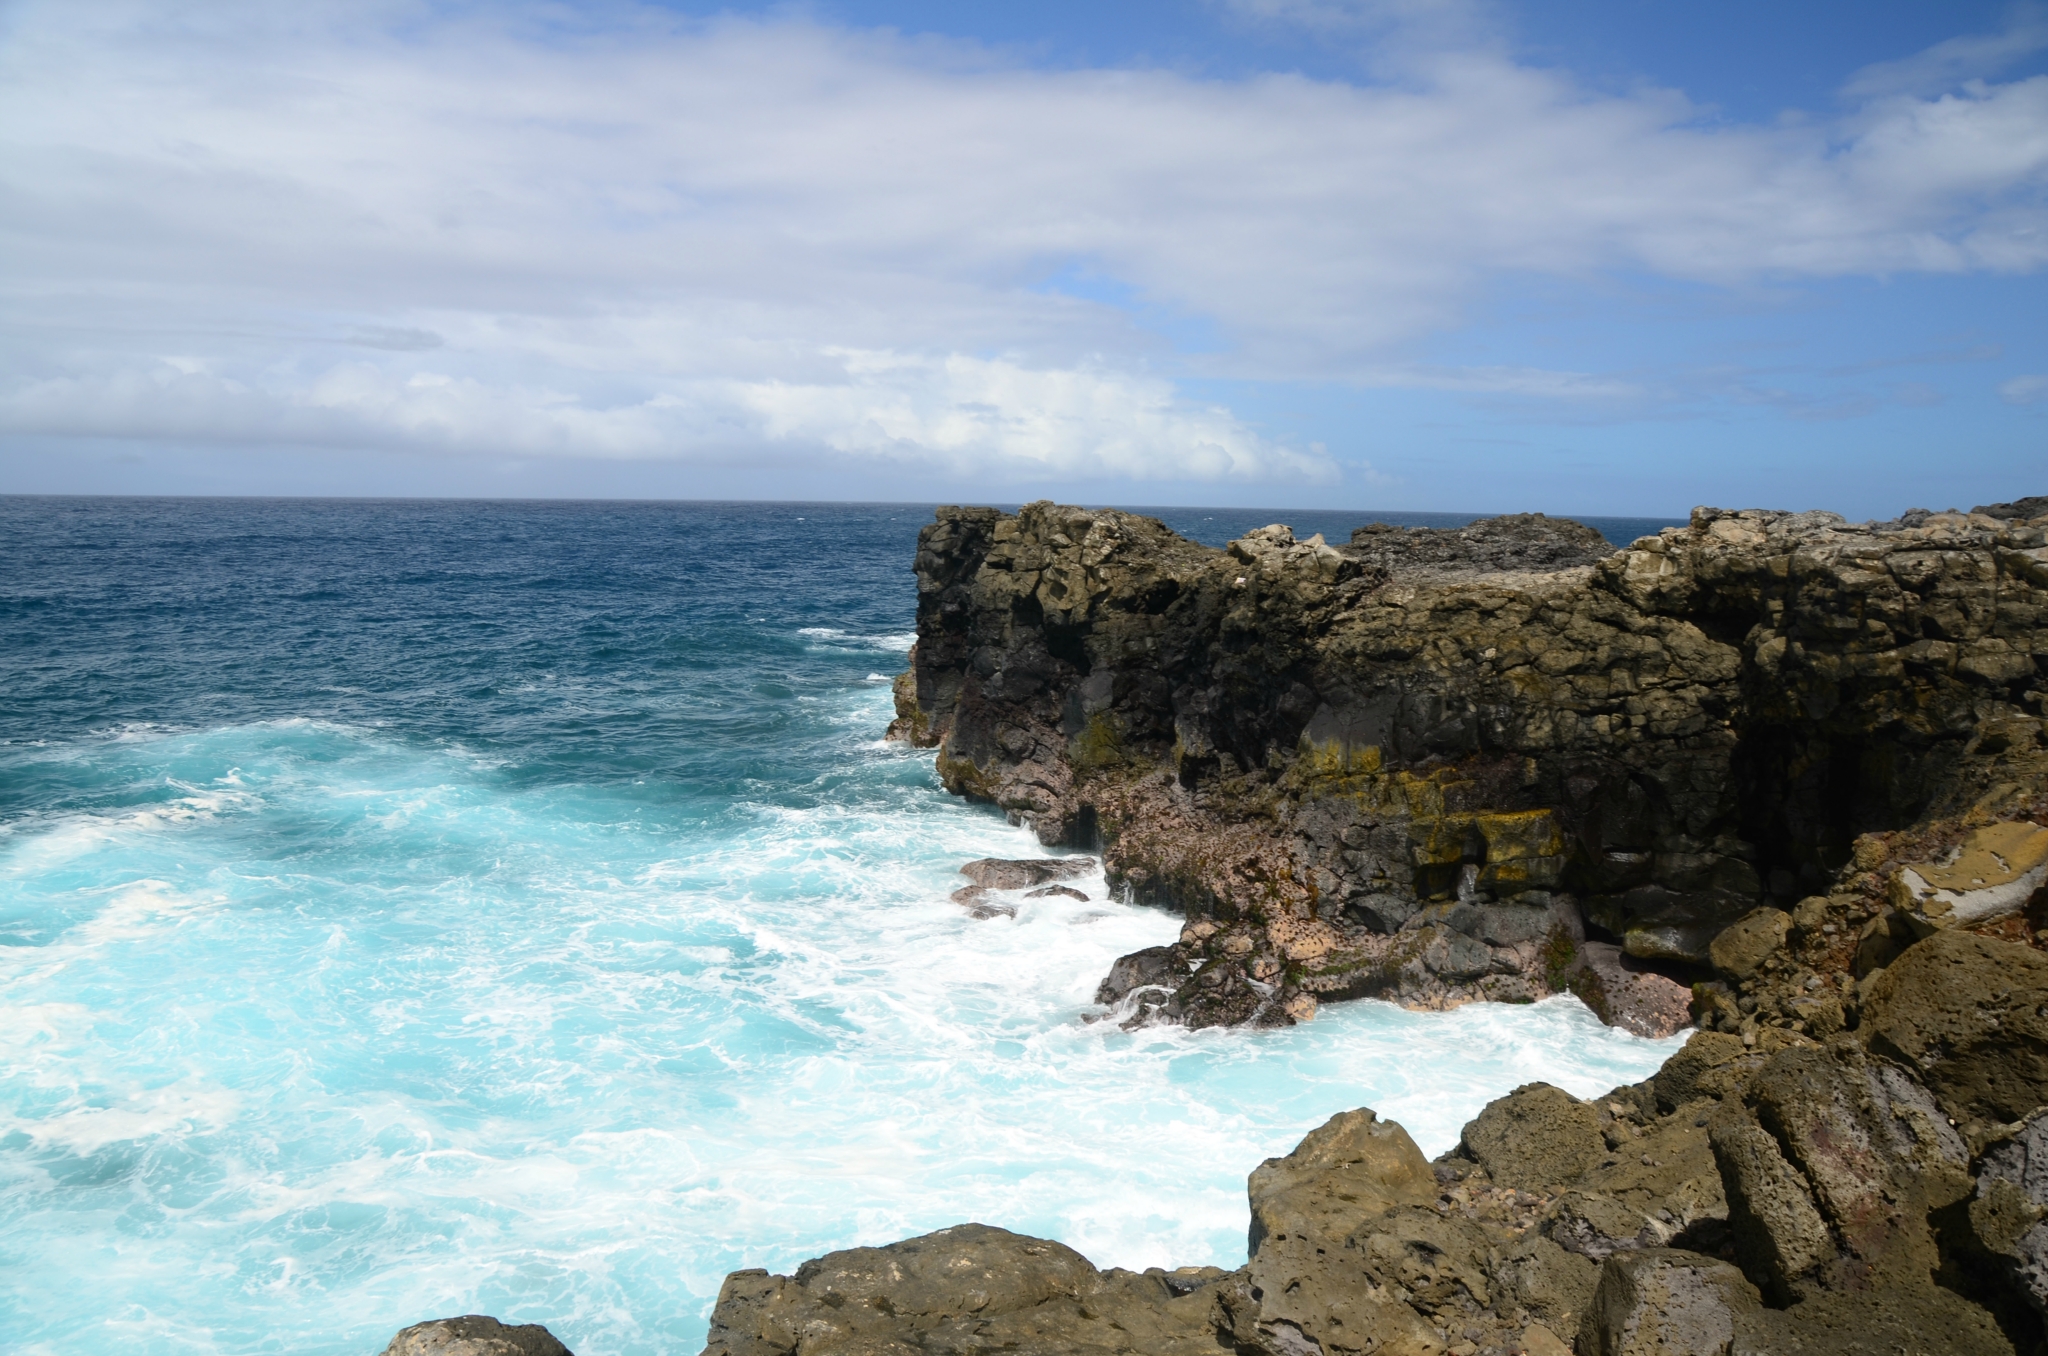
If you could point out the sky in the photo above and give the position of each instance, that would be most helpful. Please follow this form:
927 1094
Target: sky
1593 256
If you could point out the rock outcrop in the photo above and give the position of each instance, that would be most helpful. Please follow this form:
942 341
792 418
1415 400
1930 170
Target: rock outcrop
1505 761
1882 1191
475 1335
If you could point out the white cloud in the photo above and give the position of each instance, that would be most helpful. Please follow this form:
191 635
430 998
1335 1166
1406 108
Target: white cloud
974 411
640 236
2027 390
1947 64
952 415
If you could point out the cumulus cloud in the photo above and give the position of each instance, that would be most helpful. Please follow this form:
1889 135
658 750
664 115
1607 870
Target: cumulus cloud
637 235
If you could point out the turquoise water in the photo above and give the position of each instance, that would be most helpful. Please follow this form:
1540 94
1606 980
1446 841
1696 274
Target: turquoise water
413 909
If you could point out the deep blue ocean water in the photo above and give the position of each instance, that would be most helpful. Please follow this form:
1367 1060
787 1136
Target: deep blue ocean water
418 908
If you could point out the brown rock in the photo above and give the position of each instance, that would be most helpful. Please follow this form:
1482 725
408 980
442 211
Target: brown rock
1538 1136
475 1335
1623 992
998 873
1969 1015
1743 946
1688 1075
1775 1223
1655 1186
1665 1302
1349 1169
1992 874
963 1287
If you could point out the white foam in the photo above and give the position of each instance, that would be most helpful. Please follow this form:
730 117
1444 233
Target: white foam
461 1048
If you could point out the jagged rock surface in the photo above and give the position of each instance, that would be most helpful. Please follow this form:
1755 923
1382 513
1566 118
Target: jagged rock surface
1786 1195
475 1335
1418 765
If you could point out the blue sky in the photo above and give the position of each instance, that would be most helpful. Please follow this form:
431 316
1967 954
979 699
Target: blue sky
1619 257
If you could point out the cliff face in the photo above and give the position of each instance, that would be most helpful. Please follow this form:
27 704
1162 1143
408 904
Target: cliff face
1419 763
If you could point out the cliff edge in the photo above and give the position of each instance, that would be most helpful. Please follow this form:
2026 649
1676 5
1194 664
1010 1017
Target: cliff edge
1504 760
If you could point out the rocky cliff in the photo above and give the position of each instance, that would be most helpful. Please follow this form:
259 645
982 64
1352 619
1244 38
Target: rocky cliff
1505 760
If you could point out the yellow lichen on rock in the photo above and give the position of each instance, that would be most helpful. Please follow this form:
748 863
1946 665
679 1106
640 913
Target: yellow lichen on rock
1992 875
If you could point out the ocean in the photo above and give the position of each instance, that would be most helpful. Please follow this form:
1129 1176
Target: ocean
421 908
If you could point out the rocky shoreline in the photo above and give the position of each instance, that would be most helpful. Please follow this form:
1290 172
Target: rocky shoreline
1776 775
1884 1191
1857 1196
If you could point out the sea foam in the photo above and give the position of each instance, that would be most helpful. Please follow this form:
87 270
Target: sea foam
420 909
342 1031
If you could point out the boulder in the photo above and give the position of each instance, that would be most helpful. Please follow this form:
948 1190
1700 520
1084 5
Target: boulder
978 902
1776 1226
1657 1185
1349 1169
1744 945
1624 992
1000 873
2009 1212
1873 1145
966 1289
1295 1299
475 1335
1992 874
1538 1136
1553 1283
1154 967
968 1269
1665 1302
1969 1015
1707 1067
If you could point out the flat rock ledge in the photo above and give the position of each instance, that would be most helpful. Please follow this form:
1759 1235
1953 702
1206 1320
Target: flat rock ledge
1717 778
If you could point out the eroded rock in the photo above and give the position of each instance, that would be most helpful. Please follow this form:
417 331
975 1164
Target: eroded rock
1377 765
998 873
1969 1015
1538 1136
1991 875
1350 1169
1661 1302
475 1335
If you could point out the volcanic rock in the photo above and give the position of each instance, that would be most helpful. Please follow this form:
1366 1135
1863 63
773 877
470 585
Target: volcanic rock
968 1288
475 1335
1969 1016
1781 1195
1535 1137
1377 767
997 873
